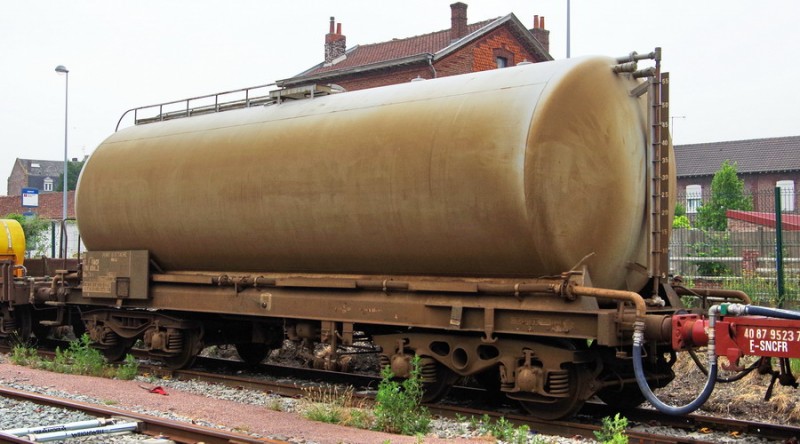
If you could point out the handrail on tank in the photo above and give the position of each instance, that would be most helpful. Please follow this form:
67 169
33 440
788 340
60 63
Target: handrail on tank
248 99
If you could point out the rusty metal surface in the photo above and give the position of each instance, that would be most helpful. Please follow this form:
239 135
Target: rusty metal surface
533 315
116 274
499 173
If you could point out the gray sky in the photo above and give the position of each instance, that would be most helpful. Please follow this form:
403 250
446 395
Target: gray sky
733 63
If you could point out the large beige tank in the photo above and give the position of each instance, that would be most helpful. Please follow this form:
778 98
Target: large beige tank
513 172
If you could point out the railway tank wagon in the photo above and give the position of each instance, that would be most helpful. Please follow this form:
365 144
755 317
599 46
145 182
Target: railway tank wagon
427 215
511 226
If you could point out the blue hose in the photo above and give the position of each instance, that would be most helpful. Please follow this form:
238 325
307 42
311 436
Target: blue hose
665 408
641 381
771 312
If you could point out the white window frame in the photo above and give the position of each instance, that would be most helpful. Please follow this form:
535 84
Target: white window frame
694 198
787 195
48 184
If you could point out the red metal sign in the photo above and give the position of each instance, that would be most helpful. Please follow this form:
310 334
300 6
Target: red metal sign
760 336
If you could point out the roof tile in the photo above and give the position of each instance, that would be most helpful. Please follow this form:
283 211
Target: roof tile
751 156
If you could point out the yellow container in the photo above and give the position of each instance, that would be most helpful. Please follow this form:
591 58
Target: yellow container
12 241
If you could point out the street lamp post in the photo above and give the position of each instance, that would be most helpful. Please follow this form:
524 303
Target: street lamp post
61 69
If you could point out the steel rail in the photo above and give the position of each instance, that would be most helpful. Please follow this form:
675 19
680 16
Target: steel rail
562 428
150 425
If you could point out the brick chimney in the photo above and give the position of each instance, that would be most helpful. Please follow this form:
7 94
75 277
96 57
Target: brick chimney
458 20
335 45
540 33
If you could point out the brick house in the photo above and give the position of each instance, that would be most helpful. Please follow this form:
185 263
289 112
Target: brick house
31 173
50 205
489 44
763 164
50 208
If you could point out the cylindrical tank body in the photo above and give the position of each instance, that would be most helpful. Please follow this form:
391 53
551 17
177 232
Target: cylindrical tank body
520 171
12 239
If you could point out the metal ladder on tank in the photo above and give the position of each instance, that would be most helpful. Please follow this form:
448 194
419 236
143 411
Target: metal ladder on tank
656 86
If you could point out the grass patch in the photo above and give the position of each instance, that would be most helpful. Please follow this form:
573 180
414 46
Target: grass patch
502 430
398 405
78 359
335 405
613 431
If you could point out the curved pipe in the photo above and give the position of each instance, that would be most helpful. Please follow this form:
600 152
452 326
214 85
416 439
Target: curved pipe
619 295
728 294
641 381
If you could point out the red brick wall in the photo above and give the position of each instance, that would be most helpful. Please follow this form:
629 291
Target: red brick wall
50 205
16 181
480 56
762 187
483 51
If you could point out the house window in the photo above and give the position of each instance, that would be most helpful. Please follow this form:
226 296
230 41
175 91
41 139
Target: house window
787 195
503 57
48 184
694 198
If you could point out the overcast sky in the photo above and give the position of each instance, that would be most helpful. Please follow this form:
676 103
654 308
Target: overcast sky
733 64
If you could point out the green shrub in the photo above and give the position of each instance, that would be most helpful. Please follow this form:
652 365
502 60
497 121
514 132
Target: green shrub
502 430
129 368
398 406
25 356
79 358
613 431
714 244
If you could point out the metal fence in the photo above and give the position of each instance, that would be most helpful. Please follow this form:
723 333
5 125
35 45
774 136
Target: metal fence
745 256
49 243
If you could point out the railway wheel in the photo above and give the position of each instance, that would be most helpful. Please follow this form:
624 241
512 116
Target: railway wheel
576 379
117 347
436 380
490 381
18 322
253 352
622 398
189 344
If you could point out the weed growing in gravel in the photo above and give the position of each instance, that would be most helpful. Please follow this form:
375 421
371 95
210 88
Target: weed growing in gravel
79 358
26 356
502 429
398 406
335 405
613 431
129 368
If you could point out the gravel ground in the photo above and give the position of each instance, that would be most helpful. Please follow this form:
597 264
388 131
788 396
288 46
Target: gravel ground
210 405
262 414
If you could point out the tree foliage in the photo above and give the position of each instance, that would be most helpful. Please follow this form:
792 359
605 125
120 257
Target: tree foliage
35 231
727 193
73 171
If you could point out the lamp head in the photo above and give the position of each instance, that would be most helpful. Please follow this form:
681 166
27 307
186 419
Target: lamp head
61 69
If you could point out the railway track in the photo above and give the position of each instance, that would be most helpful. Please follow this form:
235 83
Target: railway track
179 432
459 396
472 402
